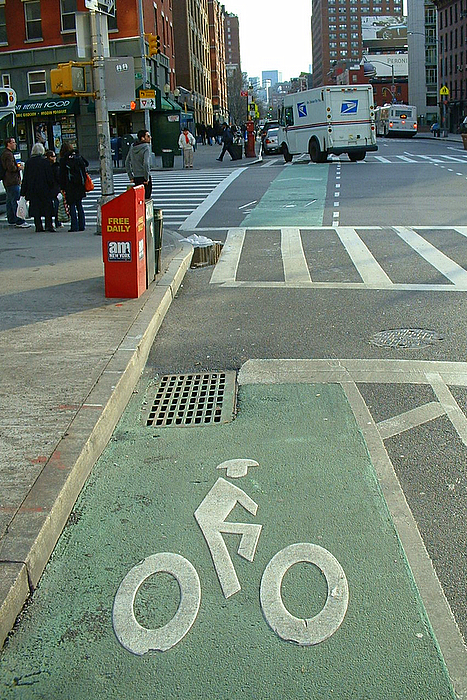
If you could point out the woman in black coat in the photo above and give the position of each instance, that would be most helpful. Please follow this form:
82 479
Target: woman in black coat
37 187
72 176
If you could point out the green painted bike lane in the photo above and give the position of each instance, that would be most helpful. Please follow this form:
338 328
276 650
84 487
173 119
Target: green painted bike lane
303 475
296 197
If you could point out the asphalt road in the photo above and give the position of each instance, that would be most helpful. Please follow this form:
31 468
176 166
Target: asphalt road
318 259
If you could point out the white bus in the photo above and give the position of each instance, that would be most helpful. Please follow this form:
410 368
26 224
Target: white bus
396 120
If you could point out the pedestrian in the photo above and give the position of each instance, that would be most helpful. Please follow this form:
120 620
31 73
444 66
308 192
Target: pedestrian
210 134
72 176
12 183
138 162
52 158
203 133
37 187
435 129
186 142
227 140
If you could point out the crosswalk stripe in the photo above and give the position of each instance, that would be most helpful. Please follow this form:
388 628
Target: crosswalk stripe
407 160
450 269
293 258
382 160
226 268
368 268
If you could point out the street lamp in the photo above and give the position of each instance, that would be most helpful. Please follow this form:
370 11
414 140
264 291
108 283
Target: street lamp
369 71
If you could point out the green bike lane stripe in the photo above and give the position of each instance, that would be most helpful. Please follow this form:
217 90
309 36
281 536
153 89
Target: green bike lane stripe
310 481
297 196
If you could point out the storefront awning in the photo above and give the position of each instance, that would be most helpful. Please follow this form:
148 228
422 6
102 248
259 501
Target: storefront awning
53 106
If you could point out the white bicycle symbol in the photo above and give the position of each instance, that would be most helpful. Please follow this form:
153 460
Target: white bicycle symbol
211 517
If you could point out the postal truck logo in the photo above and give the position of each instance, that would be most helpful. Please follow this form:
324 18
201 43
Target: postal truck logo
119 251
349 107
301 106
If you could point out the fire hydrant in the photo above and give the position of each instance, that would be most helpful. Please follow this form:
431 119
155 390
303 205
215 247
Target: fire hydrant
250 144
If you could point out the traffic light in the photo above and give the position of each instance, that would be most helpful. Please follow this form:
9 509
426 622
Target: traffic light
68 79
154 42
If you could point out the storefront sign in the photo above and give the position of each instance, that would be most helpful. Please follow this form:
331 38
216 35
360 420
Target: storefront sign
52 107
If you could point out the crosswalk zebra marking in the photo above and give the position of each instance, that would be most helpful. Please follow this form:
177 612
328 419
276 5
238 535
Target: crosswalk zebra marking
297 274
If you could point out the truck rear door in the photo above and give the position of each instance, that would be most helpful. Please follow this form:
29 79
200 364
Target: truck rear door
350 114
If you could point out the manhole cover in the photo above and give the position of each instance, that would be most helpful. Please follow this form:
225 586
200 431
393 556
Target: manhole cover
405 338
192 399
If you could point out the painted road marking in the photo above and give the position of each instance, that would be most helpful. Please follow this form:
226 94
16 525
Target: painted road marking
373 276
348 373
195 217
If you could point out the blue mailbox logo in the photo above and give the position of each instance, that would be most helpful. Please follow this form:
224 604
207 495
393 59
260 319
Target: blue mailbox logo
349 107
301 106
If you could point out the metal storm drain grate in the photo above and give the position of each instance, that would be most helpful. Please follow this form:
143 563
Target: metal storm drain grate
192 399
405 338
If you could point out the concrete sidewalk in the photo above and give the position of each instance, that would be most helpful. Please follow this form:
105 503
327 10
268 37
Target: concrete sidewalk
70 361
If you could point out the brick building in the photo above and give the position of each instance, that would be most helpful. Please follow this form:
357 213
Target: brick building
216 13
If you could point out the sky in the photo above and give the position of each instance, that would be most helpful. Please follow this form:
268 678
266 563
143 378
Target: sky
272 38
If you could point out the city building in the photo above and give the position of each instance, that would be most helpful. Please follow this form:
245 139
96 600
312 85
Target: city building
192 55
38 35
216 13
342 30
452 61
422 40
274 76
232 43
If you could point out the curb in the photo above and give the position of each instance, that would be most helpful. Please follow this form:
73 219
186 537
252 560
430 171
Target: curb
36 527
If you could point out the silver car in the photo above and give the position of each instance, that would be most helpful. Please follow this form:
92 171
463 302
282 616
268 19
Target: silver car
271 141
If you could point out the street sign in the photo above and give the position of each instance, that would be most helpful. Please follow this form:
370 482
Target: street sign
106 7
147 103
444 90
147 94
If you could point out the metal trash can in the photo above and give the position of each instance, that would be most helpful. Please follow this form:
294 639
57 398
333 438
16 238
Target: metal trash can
236 151
150 247
167 158
158 225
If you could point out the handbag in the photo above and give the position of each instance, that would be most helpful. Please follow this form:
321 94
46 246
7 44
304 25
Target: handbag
88 183
22 210
63 213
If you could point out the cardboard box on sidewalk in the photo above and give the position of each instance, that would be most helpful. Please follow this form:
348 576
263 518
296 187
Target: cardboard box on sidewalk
206 255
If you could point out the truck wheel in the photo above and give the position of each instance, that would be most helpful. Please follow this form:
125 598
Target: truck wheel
285 152
357 155
316 154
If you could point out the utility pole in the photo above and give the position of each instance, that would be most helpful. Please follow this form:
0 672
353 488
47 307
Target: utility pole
144 67
98 25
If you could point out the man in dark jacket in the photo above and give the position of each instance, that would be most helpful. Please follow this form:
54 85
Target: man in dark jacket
138 162
12 183
227 139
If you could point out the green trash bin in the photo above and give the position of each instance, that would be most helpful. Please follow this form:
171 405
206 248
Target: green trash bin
167 158
236 150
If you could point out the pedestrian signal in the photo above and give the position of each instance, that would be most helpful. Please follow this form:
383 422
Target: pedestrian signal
154 42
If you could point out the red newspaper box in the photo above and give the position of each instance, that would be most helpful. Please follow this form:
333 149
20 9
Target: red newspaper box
124 245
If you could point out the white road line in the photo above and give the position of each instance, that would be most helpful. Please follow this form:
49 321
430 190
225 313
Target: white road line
450 405
450 269
293 257
431 159
381 159
407 160
410 419
368 268
458 160
193 220
226 268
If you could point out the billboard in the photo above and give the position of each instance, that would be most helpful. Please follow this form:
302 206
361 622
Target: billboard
384 32
383 64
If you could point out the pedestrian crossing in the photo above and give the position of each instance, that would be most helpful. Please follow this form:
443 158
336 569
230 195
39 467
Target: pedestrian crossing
406 158
398 258
177 193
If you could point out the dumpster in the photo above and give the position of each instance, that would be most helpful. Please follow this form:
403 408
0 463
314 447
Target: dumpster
167 158
158 225
150 248
123 245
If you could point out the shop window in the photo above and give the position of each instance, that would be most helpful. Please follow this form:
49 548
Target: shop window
112 21
37 83
6 82
32 15
3 34
68 13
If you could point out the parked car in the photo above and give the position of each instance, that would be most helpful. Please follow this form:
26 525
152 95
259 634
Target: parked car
271 141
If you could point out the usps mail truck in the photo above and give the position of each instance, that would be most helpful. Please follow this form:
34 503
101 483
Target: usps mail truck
332 119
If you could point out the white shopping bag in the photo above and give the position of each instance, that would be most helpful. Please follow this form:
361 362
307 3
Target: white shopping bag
22 209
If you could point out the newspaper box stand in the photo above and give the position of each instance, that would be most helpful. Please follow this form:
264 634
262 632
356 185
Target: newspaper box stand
123 244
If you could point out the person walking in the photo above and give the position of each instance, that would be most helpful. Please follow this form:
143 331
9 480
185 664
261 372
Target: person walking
37 186
72 177
186 142
52 158
227 140
12 183
138 162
